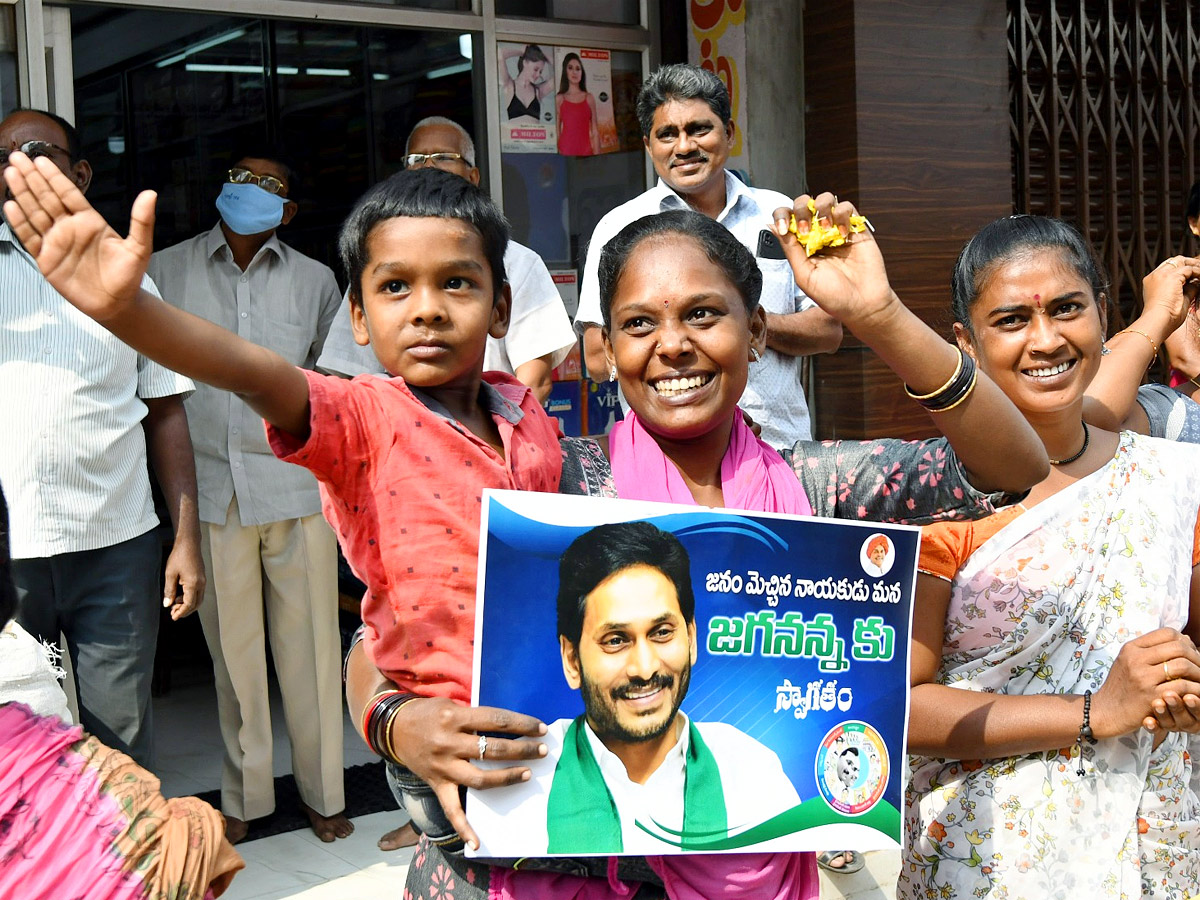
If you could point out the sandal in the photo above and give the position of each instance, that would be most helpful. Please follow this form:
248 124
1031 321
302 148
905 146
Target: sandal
847 861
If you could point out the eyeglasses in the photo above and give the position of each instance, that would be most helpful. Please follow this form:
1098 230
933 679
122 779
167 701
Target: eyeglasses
268 183
416 160
33 149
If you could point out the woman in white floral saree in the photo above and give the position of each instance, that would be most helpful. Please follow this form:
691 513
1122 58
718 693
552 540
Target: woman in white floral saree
1054 678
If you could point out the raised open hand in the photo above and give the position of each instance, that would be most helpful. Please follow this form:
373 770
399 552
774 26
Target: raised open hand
87 262
849 281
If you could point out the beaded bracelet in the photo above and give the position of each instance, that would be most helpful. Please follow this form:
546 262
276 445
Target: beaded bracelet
1085 730
960 386
1153 346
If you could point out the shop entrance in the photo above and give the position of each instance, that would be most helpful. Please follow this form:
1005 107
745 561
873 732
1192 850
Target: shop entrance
162 98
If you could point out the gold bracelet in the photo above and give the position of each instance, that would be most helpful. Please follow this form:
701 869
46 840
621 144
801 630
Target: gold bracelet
1153 346
969 391
949 381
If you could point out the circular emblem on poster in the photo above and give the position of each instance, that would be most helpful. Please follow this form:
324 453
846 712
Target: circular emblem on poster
852 767
877 555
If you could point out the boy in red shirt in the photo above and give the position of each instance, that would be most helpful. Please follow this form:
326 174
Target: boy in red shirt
402 461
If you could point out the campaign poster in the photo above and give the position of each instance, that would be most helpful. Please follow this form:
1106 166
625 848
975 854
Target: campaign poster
584 102
527 87
711 680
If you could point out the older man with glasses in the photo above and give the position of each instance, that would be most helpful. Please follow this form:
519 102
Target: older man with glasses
270 557
81 410
539 332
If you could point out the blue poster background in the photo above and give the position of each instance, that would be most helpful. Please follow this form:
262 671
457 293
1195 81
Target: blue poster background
517 648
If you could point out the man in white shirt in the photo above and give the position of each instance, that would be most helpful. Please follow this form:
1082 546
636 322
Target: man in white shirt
687 129
539 332
83 412
632 772
262 517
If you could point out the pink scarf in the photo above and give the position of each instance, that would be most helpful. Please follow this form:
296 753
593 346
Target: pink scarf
743 876
753 475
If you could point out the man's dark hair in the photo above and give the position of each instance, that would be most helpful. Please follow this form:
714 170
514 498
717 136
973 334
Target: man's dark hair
422 193
1010 238
74 144
272 152
681 81
1192 210
718 243
597 555
8 593
853 750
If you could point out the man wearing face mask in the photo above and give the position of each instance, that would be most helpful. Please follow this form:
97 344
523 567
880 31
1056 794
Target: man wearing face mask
259 516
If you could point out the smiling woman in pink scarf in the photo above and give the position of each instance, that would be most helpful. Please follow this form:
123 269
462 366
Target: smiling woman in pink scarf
680 299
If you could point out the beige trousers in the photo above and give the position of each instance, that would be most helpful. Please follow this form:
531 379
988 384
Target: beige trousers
276 581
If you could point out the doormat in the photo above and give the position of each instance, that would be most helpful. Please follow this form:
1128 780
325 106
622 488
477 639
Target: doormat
367 792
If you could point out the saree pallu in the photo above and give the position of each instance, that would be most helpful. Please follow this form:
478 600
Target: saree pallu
1043 607
81 820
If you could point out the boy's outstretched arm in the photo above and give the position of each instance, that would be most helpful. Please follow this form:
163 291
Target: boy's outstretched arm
101 274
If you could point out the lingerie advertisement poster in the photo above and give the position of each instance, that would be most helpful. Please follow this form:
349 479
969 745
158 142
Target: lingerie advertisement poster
528 84
584 102
711 680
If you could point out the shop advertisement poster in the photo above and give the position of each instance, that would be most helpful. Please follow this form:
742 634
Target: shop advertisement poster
711 680
567 283
527 87
584 102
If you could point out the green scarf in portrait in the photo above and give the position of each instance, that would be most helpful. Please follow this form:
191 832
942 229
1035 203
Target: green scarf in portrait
581 816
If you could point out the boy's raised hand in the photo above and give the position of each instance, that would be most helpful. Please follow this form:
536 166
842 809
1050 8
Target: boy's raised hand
80 255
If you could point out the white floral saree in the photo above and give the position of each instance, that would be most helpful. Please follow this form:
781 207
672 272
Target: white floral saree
1043 607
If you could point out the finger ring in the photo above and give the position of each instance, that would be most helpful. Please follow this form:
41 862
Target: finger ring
483 743
1166 672
1171 263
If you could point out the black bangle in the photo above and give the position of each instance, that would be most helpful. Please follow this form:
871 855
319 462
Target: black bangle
954 391
1085 730
378 728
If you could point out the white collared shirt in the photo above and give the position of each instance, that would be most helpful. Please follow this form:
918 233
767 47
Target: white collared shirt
774 394
538 325
73 459
284 301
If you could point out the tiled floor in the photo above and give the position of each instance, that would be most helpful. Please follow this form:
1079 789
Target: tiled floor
298 865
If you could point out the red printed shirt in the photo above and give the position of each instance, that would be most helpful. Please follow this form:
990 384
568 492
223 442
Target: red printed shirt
402 486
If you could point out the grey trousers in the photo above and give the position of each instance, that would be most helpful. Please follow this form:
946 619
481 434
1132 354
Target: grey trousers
106 603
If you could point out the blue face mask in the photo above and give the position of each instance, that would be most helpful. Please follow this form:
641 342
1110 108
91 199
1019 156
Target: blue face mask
248 209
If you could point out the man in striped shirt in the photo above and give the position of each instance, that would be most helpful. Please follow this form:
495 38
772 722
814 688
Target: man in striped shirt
82 411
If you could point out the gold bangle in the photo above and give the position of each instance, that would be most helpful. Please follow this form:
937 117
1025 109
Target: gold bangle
949 381
969 391
1153 346
387 735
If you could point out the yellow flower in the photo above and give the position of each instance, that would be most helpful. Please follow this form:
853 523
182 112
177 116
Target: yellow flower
823 233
